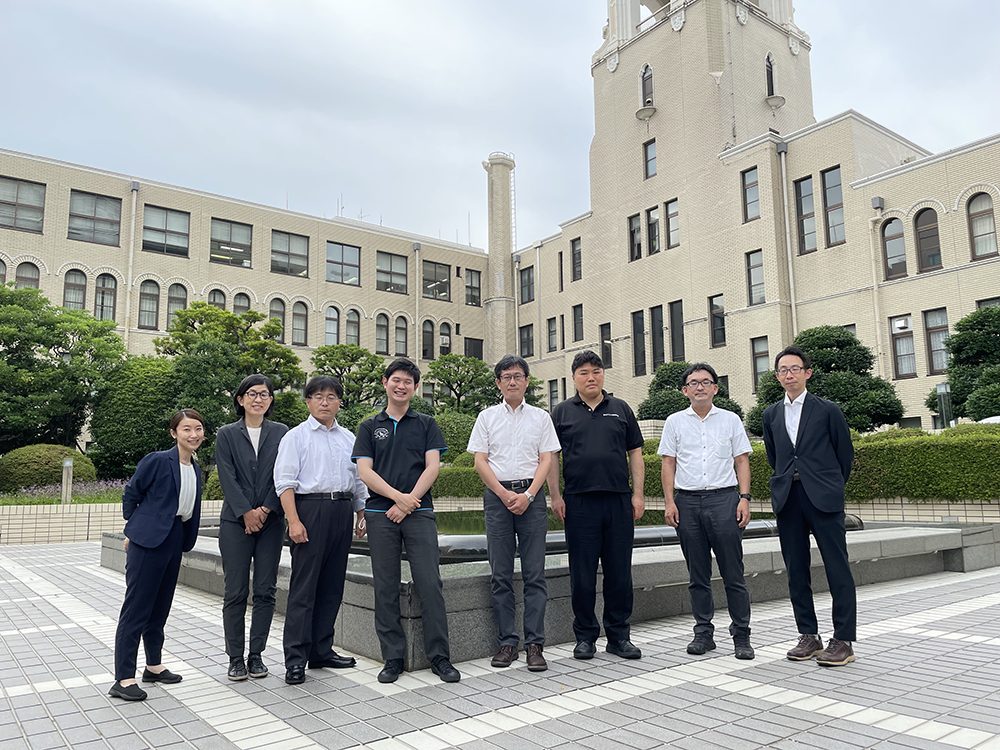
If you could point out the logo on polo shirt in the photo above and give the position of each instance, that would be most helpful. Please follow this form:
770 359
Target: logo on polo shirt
381 433
611 414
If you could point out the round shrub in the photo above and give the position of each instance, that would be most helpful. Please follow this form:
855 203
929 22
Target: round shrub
213 488
973 429
456 428
463 460
650 447
35 465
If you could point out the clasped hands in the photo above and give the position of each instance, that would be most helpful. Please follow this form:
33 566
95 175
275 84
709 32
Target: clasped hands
403 506
516 502
253 520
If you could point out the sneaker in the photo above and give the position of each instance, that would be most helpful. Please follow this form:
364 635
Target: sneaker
391 671
836 654
807 647
536 662
700 645
255 666
742 647
237 669
131 693
504 657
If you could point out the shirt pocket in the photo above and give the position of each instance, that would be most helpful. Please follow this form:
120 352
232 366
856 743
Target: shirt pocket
723 448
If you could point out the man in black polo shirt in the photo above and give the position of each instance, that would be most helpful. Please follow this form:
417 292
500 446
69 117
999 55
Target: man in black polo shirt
596 432
398 453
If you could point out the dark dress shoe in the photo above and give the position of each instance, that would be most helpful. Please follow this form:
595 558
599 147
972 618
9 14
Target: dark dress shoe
255 666
166 677
504 657
701 644
333 661
391 671
584 650
536 662
237 669
444 669
295 675
131 693
624 649
742 647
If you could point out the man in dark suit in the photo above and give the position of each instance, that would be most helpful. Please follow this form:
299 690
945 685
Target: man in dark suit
809 449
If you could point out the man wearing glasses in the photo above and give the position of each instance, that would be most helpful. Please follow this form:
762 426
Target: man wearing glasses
323 499
706 485
809 448
513 443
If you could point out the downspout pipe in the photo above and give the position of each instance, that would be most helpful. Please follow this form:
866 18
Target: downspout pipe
131 263
782 149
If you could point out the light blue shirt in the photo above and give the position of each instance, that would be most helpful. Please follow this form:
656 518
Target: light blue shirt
312 458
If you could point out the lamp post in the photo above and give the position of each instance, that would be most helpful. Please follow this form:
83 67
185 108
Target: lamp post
944 404
67 481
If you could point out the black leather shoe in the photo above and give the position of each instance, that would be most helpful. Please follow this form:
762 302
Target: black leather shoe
131 693
742 648
295 675
333 661
255 666
624 649
166 677
444 669
584 650
701 644
237 669
391 671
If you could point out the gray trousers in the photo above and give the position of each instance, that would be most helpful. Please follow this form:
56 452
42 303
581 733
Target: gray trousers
239 552
708 524
386 541
506 532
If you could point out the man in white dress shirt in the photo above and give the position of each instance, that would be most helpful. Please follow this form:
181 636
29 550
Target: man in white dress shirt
514 443
706 485
323 499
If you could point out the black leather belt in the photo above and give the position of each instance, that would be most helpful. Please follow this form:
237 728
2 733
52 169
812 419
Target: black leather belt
324 496
516 484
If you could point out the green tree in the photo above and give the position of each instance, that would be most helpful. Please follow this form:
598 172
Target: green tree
52 361
464 384
973 362
666 397
357 369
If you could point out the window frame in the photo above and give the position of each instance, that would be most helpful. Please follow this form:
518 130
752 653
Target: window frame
334 266
214 292
101 292
634 229
526 340
441 274
745 189
652 230
427 347
678 349
382 334
277 253
576 259
885 240
929 333
638 343
672 230
526 285
927 234
971 217
401 336
77 287
552 338
473 291
272 314
241 309
578 322
831 208
751 284
387 279
163 246
331 331
353 321
901 335
646 86
757 357
80 234
175 302
649 159
23 207
152 299
217 246
29 281
803 218
658 344
717 321
300 324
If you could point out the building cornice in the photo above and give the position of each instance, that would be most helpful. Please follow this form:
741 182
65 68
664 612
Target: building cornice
992 140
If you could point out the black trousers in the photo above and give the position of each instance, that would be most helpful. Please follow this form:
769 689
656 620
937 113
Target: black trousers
316 586
150 581
599 528
239 552
796 520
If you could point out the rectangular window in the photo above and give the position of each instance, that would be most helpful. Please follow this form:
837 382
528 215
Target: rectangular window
289 254
904 358
717 319
578 322
638 343
990 302
473 348
851 328
562 388
755 277
437 281
553 394
560 271
343 263
526 337
751 195
656 334
94 218
22 204
833 205
605 336
550 326
562 331
673 233
634 238
649 158
724 385
805 215
677 331
653 231
936 334
390 272
576 253
473 288
165 230
526 277
230 243
761 359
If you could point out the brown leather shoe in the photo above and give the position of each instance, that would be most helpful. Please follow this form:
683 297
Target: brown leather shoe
504 656
807 647
836 654
536 662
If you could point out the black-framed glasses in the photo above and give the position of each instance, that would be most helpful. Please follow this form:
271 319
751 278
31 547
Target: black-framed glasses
701 383
794 370
257 395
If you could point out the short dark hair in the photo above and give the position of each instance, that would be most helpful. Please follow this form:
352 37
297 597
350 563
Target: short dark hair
795 352
510 361
403 364
183 414
245 385
695 368
586 357
324 383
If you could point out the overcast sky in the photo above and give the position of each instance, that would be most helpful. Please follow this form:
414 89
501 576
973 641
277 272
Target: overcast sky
390 107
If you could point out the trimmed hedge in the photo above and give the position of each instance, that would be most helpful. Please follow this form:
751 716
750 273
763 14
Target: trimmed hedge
213 487
456 428
465 460
41 464
884 435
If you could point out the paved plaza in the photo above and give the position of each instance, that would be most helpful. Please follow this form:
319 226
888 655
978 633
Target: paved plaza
927 676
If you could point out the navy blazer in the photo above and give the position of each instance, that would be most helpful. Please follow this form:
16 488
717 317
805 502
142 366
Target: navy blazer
247 478
822 453
149 503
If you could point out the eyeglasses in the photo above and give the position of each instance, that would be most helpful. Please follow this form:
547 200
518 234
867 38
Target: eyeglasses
697 383
794 370
257 395
515 378
324 398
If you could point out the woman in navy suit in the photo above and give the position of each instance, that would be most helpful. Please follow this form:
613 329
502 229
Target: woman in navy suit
251 530
162 507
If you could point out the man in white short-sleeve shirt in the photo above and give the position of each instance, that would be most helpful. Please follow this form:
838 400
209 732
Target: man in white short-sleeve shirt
706 486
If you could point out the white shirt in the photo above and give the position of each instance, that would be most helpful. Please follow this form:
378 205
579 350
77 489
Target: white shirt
793 414
512 439
312 458
254 433
704 448
189 489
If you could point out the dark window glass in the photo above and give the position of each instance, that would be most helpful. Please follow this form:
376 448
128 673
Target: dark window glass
894 249
106 297
217 298
526 277
473 288
560 271
75 290
27 276
653 230
343 263
550 326
94 218
769 76
833 204
149 305
401 336
990 302
553 394
751 195
353 329
331 327
526 338
390 272
805 215
445 338
638 343
437 280
717 318
177 299
241 303
231 243
427 340
277 312
300 324
22 204
982 226
605 336
677 331
936 335
289 254
649 158
928 240
761 359
382 334
673 234
634 238
656 334
576 252
165 230
646 86
578 322
755 277
473 348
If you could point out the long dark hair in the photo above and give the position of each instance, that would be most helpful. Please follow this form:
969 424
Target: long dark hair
249 382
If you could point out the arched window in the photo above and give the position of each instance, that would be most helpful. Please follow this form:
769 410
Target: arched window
217 298
445 339
769 74
177 299
277 312
352 330
241 303
894 249
300 324
149 305
75 290
26 276
332 326
427 340
400 336
3 272
982 226
106 297
646 86
381 334
928 240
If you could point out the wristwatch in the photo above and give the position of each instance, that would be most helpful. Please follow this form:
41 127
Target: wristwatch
529 496
746 496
